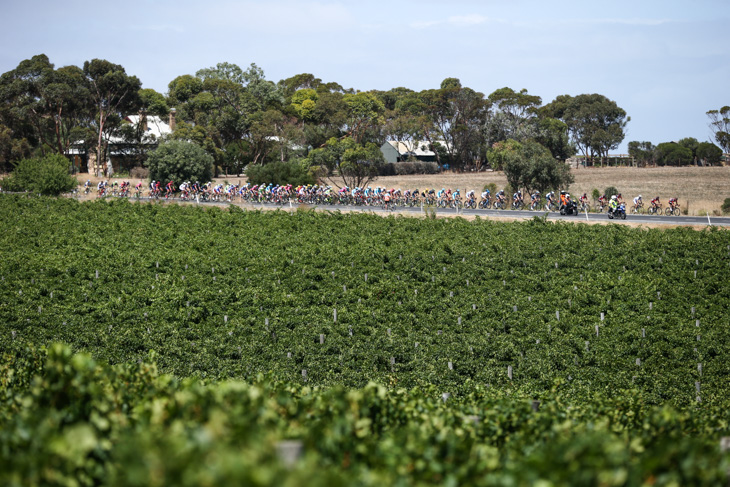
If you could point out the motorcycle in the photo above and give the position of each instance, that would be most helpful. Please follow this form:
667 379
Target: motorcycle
571 208
619 212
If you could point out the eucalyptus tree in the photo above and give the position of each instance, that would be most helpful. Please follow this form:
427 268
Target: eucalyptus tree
114 94
47 107
595 123
720 127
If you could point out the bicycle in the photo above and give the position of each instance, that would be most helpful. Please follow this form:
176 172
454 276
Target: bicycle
673 211
499 205
655 210
517 205
638 209
485 204
585 206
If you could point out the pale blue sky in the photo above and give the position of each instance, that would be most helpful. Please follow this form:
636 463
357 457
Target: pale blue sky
665 62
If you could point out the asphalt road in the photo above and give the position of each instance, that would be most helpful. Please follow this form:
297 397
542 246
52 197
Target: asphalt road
519 214
524 214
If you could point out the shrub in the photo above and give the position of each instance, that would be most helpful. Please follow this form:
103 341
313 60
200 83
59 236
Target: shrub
726 206
179 161
595 194
492 187
280 173
48 176
610 191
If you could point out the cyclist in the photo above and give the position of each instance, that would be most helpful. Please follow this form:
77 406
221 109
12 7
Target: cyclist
655 204
485 195
638 202
170 188
673 203
535 200
517 199
87 186
501 196
583 200
549 197
470 198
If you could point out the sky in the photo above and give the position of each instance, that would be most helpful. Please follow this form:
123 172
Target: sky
666 63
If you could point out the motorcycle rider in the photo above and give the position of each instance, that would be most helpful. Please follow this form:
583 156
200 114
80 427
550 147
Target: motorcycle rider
613 204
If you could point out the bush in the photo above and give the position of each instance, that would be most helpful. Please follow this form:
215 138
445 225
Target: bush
610 191
48 176
726 206
179 161
280 173
139 173
492 187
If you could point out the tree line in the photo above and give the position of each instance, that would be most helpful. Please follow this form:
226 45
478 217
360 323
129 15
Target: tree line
242 119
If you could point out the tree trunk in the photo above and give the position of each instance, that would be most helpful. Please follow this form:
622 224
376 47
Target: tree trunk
99 158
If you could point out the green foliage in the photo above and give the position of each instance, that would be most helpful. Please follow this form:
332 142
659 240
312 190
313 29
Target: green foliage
595 194
610 191
48 176
281 173
642 152
492 187
357 164
236 309
673 154
596 124
530 165
180 161
720 126
709 153
726 206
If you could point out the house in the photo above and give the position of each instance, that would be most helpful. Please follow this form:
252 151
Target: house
129 146
394 151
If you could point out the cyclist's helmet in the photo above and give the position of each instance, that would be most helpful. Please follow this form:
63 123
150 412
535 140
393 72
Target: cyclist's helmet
613 197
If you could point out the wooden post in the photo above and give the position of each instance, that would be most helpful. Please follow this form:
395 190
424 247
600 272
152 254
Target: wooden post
335 315
596 330
638 361
509 372
451 366
304 374
289 452
557 315
321 339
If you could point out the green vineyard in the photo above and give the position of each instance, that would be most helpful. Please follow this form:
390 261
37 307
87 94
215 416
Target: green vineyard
150 344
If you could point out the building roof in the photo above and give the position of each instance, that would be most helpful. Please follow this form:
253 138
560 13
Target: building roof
155 125
417 148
